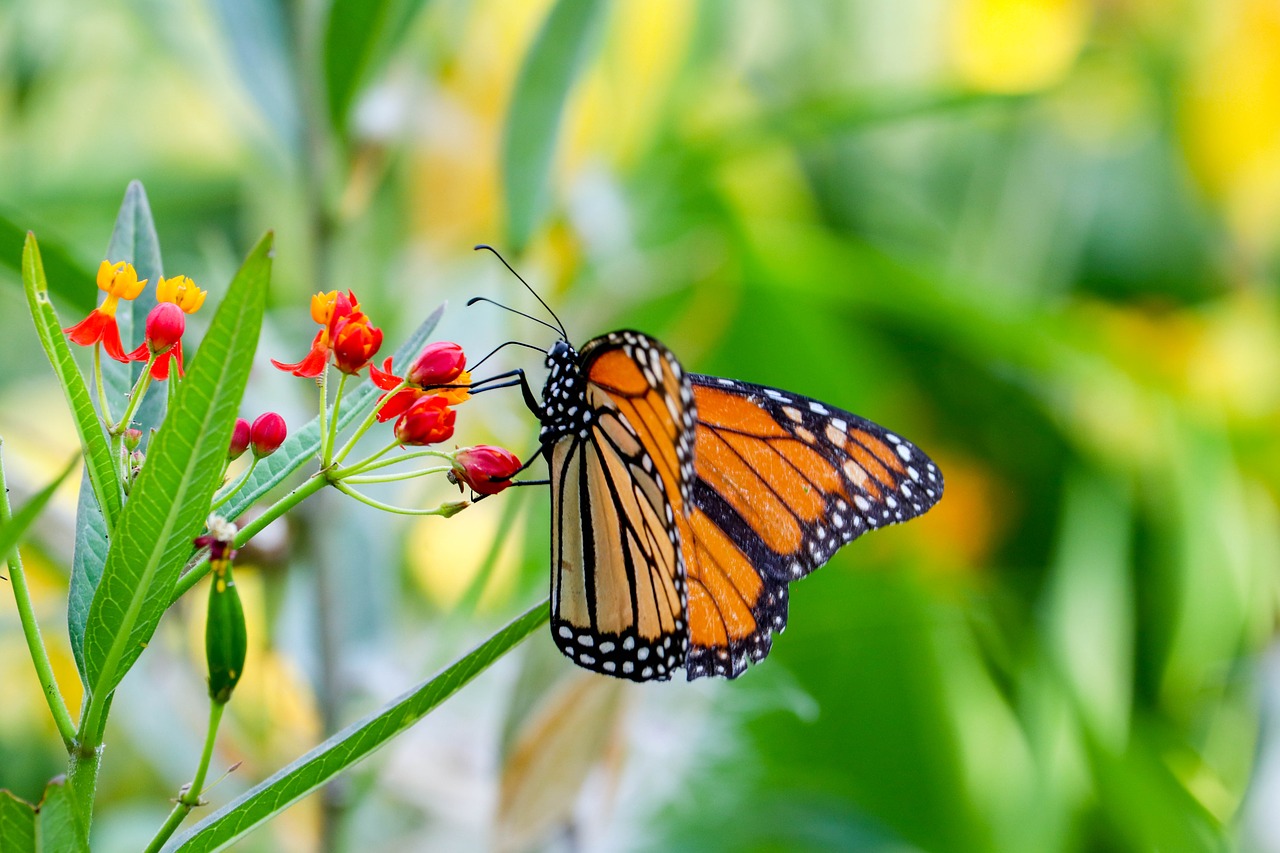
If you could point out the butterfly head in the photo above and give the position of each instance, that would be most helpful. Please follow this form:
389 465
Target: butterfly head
564 403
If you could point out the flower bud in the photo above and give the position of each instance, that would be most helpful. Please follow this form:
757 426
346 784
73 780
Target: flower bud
485 468
355 342
132 438
239 439
428 421
165 325
440 363
267 433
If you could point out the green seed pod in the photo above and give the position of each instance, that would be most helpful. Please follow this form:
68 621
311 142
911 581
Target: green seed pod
225 638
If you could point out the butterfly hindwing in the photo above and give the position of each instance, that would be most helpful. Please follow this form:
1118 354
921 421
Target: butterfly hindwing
783 481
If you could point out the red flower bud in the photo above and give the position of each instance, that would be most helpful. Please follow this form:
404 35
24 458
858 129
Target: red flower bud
428 421
132 438
165 325
267 433
239 439
485 468
440 363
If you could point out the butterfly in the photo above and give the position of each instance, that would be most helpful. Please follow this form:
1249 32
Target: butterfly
683 505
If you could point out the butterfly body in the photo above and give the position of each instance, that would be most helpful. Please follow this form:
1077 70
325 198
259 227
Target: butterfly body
683 505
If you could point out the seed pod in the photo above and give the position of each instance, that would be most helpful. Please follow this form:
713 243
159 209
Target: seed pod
225 638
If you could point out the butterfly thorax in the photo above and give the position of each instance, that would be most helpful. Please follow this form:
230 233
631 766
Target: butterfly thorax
565 410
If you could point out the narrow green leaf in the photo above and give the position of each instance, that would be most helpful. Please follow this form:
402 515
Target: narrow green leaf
58 828
171 497
134 239
550 68
11 534
97 455
69 279
351 745
303 445
258 34
17 824
87 560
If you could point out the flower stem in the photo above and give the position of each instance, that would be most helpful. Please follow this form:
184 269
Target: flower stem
325 449
332 440
190 798
444 509
309 487
97 378
234 487
367 422
391 478
31 630
135 396
371 464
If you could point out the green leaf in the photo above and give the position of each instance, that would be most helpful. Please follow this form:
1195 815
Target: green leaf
258 34
17 824
351 745
550 68
303 445
101 471
11 533
172 494
134 239
57 826
351 35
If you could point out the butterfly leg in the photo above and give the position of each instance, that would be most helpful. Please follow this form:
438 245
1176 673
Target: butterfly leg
513 378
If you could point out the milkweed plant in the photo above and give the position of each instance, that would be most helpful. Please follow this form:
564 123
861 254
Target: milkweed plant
160 425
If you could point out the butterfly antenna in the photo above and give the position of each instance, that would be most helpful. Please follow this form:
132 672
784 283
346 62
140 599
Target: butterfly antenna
563 334
473 300
494 351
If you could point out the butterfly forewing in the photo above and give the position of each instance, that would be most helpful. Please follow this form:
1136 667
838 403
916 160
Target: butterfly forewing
622 469
783 481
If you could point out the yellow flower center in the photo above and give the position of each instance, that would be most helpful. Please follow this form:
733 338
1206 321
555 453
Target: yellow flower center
119 280
322 307
181 291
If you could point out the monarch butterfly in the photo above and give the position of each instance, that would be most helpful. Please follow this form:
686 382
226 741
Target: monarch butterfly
683 505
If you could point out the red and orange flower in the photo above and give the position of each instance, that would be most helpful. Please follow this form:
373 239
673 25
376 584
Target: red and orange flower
118 281
165 324
346 336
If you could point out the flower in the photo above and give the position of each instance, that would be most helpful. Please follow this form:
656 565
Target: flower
165 325
485 468
355 342
428 421
346 334
267 433
181 291
239 439
118 281
441 363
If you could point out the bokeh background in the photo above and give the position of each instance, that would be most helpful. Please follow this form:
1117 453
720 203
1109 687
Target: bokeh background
1039 237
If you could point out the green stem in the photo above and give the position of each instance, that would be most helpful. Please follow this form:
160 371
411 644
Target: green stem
332 439
445 509
370 463
367 422
308 488
135 396
190 798
325 449
97 378
234 487
31 630
392 478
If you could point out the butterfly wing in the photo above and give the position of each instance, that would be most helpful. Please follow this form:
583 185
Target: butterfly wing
783 481
619 484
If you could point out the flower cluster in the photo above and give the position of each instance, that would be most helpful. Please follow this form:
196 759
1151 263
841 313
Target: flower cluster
422 401
165 324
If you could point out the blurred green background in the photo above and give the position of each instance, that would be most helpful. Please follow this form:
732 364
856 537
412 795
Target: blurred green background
1038 237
